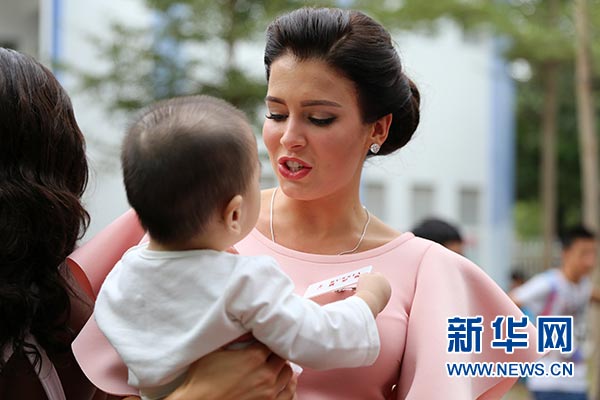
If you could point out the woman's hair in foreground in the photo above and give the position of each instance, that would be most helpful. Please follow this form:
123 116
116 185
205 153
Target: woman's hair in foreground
362 50
183 159
43 174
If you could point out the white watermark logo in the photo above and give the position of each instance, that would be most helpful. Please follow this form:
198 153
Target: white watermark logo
465 335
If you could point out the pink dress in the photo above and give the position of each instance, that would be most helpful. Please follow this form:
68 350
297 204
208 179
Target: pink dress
429 285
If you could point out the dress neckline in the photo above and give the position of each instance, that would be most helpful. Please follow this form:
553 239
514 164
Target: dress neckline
331 258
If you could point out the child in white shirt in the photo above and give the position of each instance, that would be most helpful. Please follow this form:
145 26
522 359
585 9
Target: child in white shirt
191 172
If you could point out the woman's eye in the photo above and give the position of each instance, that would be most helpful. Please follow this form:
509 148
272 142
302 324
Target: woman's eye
276 117
321 121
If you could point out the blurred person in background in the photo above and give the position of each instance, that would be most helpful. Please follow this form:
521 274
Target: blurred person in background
442 232
564 291
517 278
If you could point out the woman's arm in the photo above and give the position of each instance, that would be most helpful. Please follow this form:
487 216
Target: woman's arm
253 373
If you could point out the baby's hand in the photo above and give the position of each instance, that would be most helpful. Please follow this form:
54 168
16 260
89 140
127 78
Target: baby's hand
375 290
232 250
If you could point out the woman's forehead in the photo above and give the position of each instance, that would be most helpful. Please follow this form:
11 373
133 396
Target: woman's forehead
311 80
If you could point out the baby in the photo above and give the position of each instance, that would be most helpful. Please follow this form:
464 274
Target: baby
191 172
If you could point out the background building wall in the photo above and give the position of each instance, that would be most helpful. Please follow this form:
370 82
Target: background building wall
458 165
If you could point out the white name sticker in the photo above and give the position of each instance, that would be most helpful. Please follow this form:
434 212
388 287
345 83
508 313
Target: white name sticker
340 282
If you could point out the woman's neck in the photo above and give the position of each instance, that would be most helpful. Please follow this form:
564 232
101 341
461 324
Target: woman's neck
329 225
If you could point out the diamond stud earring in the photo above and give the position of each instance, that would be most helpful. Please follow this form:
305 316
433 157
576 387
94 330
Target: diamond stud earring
375 148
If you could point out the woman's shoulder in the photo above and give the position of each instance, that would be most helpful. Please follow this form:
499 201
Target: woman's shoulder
445 260
395 242
426 258
443 270
81 304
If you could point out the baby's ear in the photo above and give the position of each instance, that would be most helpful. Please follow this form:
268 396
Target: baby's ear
232 214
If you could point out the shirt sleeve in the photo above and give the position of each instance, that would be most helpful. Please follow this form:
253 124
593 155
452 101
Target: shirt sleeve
448 286
534 293
339 334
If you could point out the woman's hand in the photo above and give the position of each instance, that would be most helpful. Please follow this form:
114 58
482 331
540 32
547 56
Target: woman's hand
253 373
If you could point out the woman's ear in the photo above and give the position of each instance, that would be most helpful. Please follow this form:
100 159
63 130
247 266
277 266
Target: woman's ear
232 214
380 130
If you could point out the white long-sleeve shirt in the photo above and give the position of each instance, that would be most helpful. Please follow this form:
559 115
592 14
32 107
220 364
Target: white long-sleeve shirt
164 310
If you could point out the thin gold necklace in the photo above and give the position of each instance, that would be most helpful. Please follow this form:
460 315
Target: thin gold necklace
362 235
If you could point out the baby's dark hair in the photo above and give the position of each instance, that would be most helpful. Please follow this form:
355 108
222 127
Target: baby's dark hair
183 159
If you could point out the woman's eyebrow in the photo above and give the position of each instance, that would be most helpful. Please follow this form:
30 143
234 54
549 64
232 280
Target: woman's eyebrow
274 99
306 103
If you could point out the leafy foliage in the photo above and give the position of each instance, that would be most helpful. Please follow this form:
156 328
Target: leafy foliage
536 33
190 48
178 55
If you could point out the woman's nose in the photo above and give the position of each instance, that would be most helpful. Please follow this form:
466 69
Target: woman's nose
293 137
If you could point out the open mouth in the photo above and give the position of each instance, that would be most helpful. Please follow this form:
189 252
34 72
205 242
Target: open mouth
294 166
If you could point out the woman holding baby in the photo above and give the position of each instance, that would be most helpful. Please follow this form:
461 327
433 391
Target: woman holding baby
337 95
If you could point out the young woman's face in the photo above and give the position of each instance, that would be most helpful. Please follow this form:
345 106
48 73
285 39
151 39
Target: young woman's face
313 129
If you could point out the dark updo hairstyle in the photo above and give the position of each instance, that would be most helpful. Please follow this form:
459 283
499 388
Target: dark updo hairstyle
361 49
43 174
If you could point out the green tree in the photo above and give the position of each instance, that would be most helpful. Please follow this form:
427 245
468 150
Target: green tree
588 142
170 58
177 54
542 34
